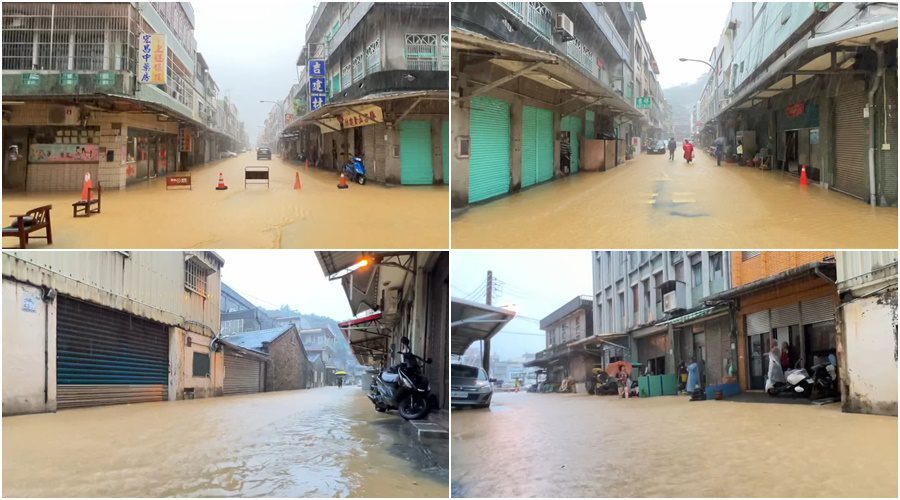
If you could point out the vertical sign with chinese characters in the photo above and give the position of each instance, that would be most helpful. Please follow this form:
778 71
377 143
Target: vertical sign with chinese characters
152 59
317 87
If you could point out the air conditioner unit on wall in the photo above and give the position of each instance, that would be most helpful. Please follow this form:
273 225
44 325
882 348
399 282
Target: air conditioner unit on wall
564 27
673 296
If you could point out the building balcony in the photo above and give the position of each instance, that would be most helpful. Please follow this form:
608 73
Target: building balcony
25 83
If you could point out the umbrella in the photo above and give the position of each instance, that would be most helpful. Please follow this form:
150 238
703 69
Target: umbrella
340 372
613 368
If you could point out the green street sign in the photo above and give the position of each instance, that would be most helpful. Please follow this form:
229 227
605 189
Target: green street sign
31 79
68 79
643 102
105 79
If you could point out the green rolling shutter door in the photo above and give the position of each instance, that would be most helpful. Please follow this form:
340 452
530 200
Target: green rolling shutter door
489 155
537 145
445 149
589 124
415 152
573 125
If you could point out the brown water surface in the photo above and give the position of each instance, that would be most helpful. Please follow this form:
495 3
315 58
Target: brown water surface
577 445
321 442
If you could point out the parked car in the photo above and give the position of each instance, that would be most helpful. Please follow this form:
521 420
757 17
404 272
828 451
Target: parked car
657 148
227 154
263 153
470 386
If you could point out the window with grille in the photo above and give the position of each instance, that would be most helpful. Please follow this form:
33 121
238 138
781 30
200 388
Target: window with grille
421 52
195 277
445 52
201 365
373 56
358 68
346 77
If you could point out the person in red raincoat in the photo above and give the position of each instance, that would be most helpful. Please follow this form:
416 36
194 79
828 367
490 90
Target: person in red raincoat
688 150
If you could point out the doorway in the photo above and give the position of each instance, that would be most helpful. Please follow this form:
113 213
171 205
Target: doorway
15 158
565 152
791 151
758 347
700 355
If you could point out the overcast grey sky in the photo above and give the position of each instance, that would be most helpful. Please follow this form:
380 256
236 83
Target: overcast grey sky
683 29
252 49
536 283
270 278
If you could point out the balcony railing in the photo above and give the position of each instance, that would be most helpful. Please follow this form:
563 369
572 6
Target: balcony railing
535 14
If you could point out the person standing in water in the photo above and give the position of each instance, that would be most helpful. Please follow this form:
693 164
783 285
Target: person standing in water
688 151
671 146
340 382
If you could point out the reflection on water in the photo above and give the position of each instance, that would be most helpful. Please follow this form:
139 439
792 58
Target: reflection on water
652 203
575 445
320 442
317 216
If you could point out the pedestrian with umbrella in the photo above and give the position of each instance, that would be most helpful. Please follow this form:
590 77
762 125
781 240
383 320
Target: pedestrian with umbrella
622 371
340 378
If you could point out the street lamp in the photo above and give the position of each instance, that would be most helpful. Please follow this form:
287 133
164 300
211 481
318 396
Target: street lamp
281 112
715 88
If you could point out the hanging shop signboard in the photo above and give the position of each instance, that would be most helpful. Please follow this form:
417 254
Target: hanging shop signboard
359 116
317 84
153 59
642 102
795 110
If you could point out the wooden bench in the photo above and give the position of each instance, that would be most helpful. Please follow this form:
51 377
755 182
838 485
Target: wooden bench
178 179
33 220
256 175
85 208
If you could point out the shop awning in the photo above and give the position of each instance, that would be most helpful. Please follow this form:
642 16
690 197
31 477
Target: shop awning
369 339
703 313
551 356
546 68
472 321
335 109
823 270
360 286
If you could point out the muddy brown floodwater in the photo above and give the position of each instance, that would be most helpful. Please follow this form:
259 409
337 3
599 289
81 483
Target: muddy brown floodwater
652 203
577 445
319 215
321 442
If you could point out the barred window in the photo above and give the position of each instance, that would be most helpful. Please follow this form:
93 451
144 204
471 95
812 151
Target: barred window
195 277
346 77
373 56
421 52
445 52
358 68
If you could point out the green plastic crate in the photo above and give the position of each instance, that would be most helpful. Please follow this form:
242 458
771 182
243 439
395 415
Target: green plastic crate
644 387
655 385
669 385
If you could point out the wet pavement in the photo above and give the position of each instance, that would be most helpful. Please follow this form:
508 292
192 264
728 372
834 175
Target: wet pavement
578 445
146 215
650 202
321 442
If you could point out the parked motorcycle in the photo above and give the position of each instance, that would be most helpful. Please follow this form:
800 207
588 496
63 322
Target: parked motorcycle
355 170
402 387
800 383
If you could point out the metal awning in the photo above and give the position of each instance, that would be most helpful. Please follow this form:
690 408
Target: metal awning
703 313
543 67
369 339
580 346
472 321
811 269
334 109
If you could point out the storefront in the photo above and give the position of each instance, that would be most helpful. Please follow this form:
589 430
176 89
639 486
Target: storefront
489 124
705 337
150 154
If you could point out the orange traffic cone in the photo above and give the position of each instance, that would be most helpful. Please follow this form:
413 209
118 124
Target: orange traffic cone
221 186
86 187
342 183
803 180
297 184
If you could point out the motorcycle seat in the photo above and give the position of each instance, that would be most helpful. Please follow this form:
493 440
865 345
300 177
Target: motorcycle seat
389 377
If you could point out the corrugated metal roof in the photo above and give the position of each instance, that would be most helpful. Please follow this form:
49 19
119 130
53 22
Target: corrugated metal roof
254 340
472 321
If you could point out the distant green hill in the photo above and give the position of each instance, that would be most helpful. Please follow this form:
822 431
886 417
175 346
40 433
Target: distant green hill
682 98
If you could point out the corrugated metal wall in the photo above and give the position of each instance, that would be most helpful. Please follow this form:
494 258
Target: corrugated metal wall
856 263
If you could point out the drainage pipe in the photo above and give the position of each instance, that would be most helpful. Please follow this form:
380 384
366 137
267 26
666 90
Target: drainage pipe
873 88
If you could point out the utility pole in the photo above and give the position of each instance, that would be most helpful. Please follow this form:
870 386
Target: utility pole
486 353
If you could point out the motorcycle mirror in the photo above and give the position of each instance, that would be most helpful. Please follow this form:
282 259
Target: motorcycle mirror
428 361
404 341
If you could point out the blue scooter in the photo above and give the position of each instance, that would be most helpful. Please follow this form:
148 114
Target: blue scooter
355 170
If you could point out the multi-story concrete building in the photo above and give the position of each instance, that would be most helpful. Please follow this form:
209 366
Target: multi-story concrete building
652 308
376 79
567 354
73 100
319 341
809 84
397 295
96 328
867 331
287 365
532 80
784 297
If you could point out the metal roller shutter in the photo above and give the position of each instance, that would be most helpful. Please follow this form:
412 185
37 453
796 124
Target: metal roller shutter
851 143
415 152
589 124
445 150
104 356
573 125
758 323
788 315
242 375
817 310
489 155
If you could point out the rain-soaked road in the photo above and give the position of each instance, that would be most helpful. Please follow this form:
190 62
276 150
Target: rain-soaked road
320 442
146 215
652 203
578 445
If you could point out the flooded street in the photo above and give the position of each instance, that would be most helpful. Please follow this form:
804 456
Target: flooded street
146 215
577 445
672 205
321 442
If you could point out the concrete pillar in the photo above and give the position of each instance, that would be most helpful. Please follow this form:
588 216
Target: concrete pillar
392 158
515 141
437 166
670 350
459 167
556 118
71 59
